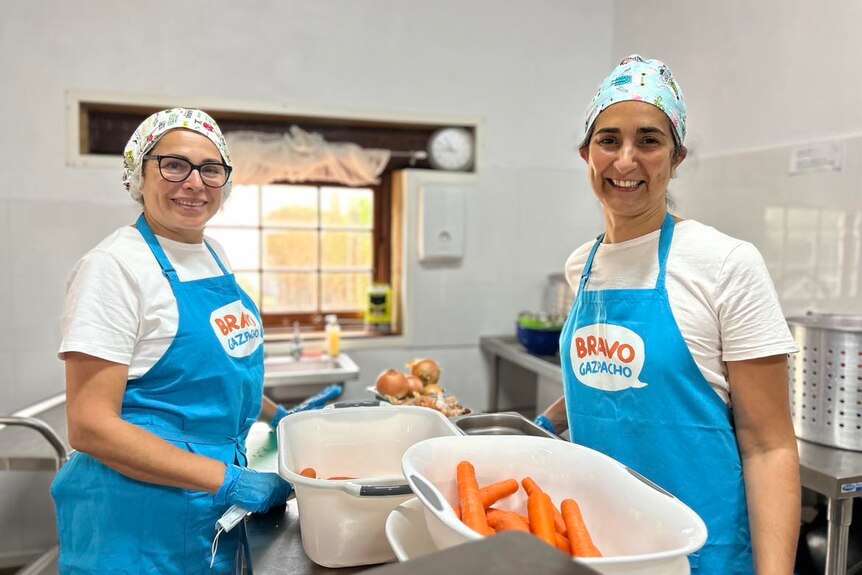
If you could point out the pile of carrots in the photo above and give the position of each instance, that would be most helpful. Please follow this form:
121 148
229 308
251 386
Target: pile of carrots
562 528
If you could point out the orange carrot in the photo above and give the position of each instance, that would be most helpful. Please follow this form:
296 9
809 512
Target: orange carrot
309 472
472 511
506 520
492 493
337 477
541 513
523 517
531 487
562 543
580 542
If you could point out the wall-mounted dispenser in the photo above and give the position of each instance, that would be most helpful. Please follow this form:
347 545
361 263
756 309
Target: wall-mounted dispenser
441 221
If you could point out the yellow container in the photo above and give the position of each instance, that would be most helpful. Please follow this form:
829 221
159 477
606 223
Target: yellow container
378 314
333 336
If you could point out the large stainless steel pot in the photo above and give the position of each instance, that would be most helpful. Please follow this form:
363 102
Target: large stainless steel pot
826 379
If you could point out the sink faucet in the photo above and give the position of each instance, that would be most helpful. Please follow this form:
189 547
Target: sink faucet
297 342
44 429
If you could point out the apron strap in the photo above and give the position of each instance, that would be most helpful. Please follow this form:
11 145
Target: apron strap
664 240
215 257
665 237
155 247
144 228
585 275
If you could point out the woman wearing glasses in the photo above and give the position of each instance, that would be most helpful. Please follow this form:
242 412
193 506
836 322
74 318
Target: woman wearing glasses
164 368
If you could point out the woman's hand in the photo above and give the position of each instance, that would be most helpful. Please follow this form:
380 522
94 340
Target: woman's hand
770 460
251 490
554 419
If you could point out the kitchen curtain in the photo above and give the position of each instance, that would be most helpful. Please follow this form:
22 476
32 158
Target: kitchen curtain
300 156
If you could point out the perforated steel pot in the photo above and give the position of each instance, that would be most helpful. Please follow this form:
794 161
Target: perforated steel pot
826 379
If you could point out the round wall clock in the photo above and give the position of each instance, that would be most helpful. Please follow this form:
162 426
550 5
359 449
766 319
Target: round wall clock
451 149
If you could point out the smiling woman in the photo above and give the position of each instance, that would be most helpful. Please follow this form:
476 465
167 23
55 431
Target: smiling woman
164 371
691 388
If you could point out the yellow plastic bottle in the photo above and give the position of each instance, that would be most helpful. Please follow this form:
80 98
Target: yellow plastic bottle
333 336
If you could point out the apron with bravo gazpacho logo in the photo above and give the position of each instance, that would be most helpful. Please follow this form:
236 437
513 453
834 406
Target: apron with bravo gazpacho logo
634 392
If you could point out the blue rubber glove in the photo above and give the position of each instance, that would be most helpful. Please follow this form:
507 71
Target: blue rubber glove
545 423
280 413
252 490
316 401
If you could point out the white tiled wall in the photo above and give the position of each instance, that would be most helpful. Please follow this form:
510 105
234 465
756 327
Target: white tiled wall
807 226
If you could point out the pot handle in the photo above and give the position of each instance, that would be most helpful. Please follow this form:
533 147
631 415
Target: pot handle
427 492
384 490
359 490
360 403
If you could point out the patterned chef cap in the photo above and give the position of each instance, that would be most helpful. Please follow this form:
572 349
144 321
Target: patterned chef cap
646 81
156 126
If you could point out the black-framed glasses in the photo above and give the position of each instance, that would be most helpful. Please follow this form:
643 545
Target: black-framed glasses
176 169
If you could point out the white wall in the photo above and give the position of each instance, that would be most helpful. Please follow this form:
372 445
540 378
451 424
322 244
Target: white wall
762 79
525 68
755 74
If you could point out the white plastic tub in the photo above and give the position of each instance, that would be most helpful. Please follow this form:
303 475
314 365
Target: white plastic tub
342 521
638 528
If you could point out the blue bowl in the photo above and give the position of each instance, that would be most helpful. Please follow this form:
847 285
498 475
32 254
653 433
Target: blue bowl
539 341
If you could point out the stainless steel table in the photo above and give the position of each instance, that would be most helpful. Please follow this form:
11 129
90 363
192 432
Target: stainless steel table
836 474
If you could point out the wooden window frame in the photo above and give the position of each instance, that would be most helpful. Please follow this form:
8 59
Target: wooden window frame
381 260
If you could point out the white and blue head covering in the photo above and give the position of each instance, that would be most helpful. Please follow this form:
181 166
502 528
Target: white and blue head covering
157 125
646 81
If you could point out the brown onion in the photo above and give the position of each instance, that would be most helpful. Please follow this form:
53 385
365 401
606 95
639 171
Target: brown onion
432 389
392 382
427 370
414 384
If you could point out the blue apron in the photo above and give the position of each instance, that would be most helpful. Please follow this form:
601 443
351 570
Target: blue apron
634 392
202 395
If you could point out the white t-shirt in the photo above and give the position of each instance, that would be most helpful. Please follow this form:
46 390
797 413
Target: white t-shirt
719 289
120 307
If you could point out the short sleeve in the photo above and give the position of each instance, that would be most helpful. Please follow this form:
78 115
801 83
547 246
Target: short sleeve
101 311
749 313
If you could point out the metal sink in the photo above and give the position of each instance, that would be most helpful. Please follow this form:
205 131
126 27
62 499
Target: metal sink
287 370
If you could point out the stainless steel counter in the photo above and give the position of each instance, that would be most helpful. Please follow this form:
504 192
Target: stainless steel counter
836 474
500 350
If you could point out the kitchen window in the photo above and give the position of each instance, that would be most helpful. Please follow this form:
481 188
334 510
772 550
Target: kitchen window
303 251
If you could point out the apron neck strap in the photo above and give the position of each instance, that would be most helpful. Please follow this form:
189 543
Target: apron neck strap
155 247
664 249
665 237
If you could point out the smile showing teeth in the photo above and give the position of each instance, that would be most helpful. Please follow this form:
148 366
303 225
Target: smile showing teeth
627 183
189 203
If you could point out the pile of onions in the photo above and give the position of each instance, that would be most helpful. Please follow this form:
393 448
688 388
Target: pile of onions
394 383
427 370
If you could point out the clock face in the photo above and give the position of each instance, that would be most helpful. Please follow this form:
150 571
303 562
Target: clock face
451 149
